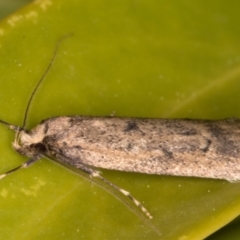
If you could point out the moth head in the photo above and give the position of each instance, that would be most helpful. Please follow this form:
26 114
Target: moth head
29 143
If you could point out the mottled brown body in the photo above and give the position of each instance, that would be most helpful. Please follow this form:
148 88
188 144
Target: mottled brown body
199 148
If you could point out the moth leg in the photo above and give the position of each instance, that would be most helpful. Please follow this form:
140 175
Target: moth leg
26 164
94 173
126 193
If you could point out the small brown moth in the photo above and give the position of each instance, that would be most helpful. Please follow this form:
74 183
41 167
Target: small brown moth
178 147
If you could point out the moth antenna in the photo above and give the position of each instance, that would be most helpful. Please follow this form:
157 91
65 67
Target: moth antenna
13 127
42 78
17 128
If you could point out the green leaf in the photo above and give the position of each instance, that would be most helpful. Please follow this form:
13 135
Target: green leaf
7 7
132 58
231 231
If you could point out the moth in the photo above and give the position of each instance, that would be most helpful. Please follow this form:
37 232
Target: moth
178 147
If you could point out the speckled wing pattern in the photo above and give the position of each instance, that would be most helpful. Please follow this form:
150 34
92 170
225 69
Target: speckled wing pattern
179 147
